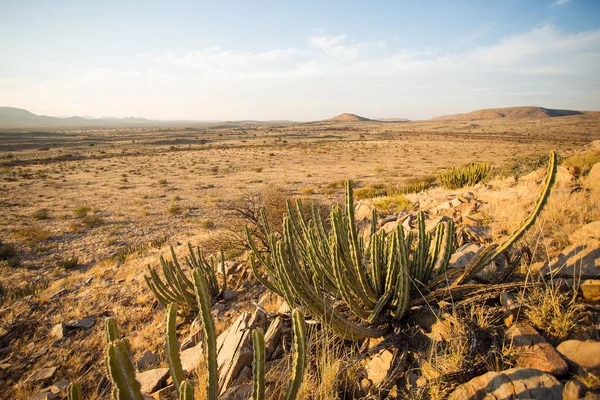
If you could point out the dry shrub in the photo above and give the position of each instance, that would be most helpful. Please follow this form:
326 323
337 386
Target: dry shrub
583 161
391 205
30 235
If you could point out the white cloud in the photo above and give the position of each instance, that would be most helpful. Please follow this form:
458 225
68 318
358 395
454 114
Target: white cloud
559 3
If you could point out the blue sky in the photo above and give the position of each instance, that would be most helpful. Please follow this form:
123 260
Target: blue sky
300 60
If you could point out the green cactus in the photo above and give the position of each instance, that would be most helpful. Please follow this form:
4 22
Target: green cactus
186 391
177 287
318 269
258 368
112 330
121 372
490 253
172 347
74 391
203 298
467 175
299 355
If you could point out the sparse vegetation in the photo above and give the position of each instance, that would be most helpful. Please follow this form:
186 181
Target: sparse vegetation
41 214
391 204
68 263
583 162
81 211
467 175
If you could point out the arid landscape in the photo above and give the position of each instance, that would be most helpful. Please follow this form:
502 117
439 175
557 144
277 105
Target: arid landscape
85 210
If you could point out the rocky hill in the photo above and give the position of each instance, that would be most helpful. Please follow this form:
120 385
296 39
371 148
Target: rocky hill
509 113
347 117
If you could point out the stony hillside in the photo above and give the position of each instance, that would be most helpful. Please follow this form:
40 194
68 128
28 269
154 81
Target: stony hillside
347 117
508 113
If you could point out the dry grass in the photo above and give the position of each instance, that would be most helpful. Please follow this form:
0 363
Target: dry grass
583 161
391 205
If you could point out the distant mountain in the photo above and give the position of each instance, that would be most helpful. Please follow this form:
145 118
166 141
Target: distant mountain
347 117
11 118
392 119
528 112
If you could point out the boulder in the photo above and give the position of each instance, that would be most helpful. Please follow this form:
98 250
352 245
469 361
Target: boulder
512 384
85 323
464 254
239 392
581 355
592 181
58 331
191 358
473 233
590 288
147 360
41 375
431 225
363 211
533 351
273 337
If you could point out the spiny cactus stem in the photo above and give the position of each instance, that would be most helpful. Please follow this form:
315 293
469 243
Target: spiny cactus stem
299 355
258 368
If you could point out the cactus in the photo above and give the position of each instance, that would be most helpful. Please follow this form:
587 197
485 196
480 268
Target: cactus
258 368
112 330
317 269
121 372
468 175
299 355
186 391
172 347
203 297
490 253
74 391
177 287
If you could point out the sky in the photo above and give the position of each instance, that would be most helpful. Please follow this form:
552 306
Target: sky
297 60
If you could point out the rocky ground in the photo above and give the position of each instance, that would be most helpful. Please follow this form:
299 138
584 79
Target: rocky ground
540 339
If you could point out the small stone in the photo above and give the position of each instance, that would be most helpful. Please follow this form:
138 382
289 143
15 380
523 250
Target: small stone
591 289
378 366
467 220
432 224
42 374
153 379
230 294
455 203
59 386
192 358
85 323
218 308
507 300
165 393
147 360
574 390
239 392
587 234
58 331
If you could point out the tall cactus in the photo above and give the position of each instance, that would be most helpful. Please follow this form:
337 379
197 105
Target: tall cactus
177 287
186 391
492 252
172 347
74 391
258 368
299 355
210 335
122 373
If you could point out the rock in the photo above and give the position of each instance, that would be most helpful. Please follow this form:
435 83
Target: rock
58 331
59 386
473 233
391 226
581 355
284 308
363 210
467 220
378 366
218 308
270 301
230 294
444 206
591 289
563 177
191 358
533 351
153 379
273 337
455 203
407 222
424 318
85 323
464 254
510 181
587 234
147 360
466 208
239 392
593 179
512 384
575 389
507 300
41 375
166 393
431 224
428 371
44 396
576 260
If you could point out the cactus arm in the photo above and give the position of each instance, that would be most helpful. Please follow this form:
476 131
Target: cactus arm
121 372
474 267
258 368
112 330
299 355
210 335
186 391
74 391
172 347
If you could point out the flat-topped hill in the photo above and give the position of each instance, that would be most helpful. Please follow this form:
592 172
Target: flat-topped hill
528 112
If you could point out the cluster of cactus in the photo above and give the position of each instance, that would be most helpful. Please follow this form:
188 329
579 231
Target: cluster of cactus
319 270
122 373
467 175
359 287
177 287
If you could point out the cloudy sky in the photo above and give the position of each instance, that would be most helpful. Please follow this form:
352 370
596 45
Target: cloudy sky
300 60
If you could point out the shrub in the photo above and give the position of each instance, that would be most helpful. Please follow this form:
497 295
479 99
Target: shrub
467 175
40 214
68 263
31 235
7 251
583 161
207 223
82 211
369 192
92 221
519 166
391 204
159 241
174 210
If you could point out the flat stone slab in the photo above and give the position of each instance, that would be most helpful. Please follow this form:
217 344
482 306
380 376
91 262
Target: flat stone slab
41 374
153 379
534 351
584 355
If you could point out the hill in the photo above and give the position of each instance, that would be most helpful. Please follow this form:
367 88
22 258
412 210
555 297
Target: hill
347 117
528 112
392 119
11 118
